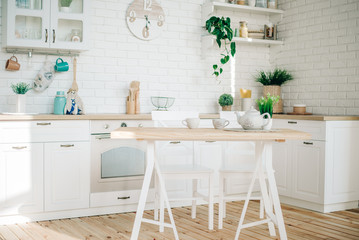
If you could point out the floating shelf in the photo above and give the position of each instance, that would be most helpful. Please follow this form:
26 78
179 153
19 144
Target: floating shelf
208 41
209 8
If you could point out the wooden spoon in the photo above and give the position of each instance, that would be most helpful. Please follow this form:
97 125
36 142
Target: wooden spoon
74 83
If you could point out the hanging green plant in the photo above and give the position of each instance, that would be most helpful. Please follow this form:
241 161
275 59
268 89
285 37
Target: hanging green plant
221 28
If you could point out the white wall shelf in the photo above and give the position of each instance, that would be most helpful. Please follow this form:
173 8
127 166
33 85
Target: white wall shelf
209 40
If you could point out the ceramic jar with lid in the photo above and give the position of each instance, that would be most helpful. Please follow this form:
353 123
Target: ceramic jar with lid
243 31
59 103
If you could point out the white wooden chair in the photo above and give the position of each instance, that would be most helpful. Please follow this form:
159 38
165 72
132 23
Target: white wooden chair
181 172
235 174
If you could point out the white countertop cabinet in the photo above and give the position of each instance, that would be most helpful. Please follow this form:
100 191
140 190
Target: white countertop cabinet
44 25
320 174
21 178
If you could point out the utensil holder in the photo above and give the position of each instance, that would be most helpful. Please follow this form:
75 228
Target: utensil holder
130 106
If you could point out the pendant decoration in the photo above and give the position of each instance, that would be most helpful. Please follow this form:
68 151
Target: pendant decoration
145 19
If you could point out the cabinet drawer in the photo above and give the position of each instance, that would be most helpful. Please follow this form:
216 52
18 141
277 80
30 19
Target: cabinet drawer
44 131
103 199
316 128
106 126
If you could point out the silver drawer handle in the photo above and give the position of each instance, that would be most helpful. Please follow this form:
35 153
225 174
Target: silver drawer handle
177 142
308 143
123 198
67 145
19 148
210 141
43 124
292 122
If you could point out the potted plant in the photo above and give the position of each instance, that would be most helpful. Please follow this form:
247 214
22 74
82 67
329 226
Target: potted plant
226 101
221 28
272 81
65 5
20 89
265 105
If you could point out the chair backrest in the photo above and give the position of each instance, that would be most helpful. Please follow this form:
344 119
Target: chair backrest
172 119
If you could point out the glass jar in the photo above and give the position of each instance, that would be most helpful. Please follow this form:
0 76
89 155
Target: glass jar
243 31
76 35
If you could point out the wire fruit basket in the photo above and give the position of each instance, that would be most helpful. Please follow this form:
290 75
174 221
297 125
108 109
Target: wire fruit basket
162 103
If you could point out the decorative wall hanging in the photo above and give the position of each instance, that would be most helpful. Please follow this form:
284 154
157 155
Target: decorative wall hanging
145 19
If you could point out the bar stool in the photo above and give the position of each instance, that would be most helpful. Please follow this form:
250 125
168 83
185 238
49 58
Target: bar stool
188 171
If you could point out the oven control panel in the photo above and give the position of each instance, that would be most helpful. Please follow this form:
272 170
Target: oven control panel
107 126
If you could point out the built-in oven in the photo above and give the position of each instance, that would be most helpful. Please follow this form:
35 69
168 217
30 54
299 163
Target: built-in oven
116 165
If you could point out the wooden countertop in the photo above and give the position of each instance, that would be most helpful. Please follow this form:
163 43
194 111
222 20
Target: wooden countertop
205 134
102 116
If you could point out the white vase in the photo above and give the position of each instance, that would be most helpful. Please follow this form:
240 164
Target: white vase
65 9
20 103
252 3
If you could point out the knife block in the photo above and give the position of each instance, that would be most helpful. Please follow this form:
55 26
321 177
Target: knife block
130 106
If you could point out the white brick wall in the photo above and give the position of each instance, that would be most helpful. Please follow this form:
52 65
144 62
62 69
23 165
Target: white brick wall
322 50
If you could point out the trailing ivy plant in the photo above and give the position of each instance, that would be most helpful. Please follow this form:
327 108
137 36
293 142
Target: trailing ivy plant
221 28
20 88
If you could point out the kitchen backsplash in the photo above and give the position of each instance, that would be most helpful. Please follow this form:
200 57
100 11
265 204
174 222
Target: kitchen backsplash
326 71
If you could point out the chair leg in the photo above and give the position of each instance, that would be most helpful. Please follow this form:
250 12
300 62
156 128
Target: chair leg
210 202
224 193
162 213
261 209
194 201
220 201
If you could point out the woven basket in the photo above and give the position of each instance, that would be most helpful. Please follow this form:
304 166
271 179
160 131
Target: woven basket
276 91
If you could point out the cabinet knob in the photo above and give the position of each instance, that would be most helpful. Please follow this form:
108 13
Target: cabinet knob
67 145
123 124
140 125
292 122
46 35
106 126
177 142
53 35
308 143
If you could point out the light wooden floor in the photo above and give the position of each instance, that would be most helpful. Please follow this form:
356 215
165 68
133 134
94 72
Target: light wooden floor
300 224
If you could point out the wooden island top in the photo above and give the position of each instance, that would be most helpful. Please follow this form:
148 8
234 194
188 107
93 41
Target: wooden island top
206 134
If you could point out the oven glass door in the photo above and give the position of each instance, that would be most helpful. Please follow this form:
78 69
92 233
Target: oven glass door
122 161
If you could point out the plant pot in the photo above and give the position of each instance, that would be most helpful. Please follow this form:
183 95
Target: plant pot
226 108
274 90
20 103
65 9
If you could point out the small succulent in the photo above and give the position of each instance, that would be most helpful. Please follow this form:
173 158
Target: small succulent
225 100
20 88
265 104
66 3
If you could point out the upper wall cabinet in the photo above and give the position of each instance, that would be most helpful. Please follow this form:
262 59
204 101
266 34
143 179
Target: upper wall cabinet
43 24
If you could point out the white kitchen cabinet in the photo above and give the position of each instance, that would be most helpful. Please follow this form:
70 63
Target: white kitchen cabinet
40 24
21 178
67 175
319 174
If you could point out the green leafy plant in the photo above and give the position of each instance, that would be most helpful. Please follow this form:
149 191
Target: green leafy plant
20 88
221 28
66 3
225 100
265 104
276 77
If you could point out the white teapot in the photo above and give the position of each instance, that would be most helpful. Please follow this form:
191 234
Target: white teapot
252 120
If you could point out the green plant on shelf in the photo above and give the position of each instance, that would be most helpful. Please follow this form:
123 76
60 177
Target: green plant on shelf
20 88
265 104
221 28
225 100
276 77
66 3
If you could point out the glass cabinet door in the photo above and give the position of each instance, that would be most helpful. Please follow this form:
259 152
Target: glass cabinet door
68 28
28 23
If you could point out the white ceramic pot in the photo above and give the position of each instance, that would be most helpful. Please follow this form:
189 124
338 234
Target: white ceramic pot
252 3
268 126
20 103
65 9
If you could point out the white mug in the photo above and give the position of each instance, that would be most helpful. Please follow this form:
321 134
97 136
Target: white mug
191 122
220 123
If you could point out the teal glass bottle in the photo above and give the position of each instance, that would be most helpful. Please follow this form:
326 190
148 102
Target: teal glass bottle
59 103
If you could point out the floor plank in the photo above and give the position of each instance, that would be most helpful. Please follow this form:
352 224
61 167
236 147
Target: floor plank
301 224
